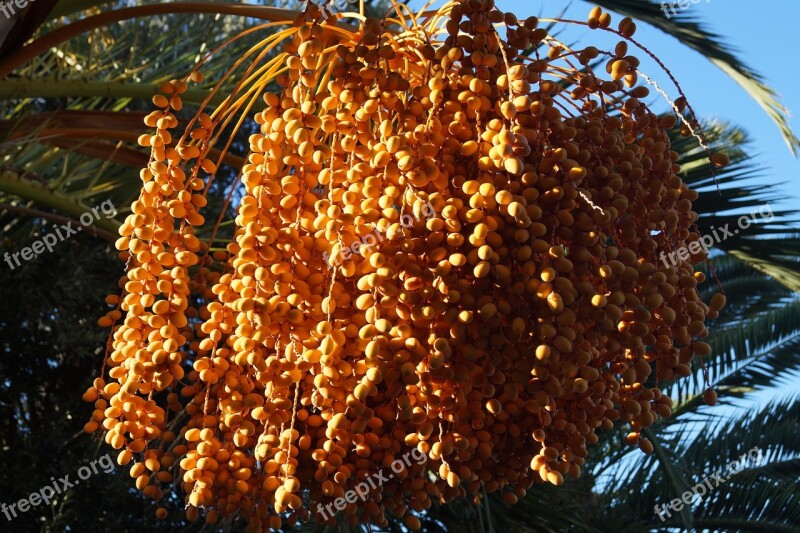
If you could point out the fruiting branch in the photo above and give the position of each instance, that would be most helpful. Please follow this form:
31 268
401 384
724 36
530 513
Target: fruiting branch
64 33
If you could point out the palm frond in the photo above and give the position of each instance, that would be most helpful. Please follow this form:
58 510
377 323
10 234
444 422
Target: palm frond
734 211
756 492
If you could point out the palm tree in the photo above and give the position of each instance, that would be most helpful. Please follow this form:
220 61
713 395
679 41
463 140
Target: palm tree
67 143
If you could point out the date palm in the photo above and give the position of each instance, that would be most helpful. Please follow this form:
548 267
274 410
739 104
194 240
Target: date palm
75 84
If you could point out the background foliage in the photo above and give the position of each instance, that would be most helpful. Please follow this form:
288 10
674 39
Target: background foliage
72 105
